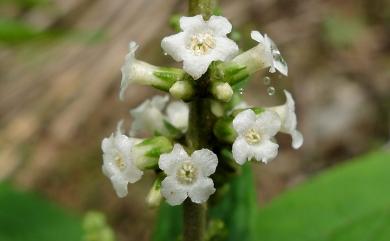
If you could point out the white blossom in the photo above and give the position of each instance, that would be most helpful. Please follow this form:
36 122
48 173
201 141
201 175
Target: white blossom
254 136
152 114
136 71
288 117
200 43
187 176
118 161
263 55
271 55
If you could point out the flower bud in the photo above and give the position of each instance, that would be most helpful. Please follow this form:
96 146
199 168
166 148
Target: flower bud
154 197
222 91
182 90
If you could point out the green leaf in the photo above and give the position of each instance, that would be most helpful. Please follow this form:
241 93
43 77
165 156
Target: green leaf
168 225
26 217
350 202
238 209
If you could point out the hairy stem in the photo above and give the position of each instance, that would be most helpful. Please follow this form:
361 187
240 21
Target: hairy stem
199 134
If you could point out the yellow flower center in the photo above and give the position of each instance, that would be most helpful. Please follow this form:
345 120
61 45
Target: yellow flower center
120 163
201 43
187 173
252 136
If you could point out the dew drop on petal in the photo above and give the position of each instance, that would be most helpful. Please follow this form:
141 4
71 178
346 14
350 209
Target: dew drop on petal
271 90
279 62
267 80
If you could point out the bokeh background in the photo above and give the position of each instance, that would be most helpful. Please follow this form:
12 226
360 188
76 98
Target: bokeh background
60 73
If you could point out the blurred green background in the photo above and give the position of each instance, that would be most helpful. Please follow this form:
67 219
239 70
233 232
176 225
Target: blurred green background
59 79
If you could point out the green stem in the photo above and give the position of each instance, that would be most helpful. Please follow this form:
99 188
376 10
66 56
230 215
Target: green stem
199 134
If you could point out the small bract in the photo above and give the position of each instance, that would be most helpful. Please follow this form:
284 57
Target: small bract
187 176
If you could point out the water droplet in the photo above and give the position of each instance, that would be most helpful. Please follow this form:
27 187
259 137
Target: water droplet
241 91
279 62
165 54
267 80
271 90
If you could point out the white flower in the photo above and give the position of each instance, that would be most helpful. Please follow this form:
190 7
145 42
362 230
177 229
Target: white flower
136 71
272 55
200 43
263 55
187 176
287 114
150 115
118 162
254 136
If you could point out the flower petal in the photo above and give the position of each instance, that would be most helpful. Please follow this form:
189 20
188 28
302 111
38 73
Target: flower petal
178 113
265 152
172 191
201 191
244 120
189 23
174 45
126 68
268 123
220 25
240 150
256 35
132 173
159 101
196 66
297 139
205 160
225 49
120 186
168 162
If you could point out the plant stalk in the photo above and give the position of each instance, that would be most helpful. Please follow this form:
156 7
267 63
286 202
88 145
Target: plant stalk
199 134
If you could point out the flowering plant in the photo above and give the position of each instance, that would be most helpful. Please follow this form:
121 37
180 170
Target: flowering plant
196 142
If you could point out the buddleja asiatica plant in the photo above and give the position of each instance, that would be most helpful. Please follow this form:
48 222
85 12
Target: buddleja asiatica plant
199 139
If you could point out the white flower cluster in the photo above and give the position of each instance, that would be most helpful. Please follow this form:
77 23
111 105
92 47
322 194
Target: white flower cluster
200 43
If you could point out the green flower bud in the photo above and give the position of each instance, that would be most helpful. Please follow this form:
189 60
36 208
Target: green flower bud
182 90
222 91
154 197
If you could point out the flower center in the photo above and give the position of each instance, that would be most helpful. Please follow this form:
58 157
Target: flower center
187 173
252 136
120 163
201 43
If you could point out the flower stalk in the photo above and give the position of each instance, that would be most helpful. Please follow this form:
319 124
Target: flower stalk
200 126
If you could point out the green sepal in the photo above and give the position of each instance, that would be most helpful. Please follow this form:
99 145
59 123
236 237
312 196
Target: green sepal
174 22
224 131
149 150
168 77
173 131
231 72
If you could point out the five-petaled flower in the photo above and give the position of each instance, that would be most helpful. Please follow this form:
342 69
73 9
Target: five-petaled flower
254 136
118 162
288 117
187 176
200 43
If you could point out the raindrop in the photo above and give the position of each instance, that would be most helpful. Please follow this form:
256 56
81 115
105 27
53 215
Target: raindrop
267 80
241 91
279 62
165 54
271 90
